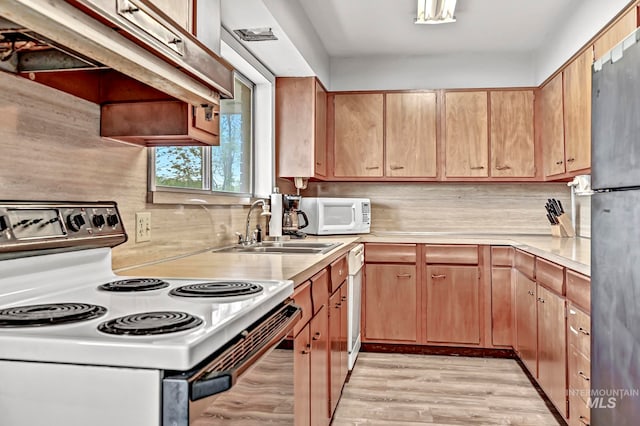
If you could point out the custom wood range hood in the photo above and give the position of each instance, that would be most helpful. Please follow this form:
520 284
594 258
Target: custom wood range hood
156 83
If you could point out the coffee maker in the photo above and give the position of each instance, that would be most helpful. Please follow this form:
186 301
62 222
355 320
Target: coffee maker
293 219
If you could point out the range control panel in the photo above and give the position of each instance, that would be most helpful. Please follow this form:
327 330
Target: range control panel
51 225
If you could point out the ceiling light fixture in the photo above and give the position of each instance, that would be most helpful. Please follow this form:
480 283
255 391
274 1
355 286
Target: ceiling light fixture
436 11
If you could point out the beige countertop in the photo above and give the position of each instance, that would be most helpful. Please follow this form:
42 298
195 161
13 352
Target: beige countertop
573 253
245 266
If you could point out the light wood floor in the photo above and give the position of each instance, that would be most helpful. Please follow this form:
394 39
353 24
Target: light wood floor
410 390
393 390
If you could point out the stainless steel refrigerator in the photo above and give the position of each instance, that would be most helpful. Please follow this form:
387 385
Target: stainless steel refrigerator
615 254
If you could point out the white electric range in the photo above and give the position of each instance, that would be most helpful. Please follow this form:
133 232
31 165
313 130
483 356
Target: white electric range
81 345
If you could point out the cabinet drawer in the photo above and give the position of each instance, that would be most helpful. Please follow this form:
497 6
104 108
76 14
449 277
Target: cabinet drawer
339 270
525 262
550 275
390 253
302 297
454 254
320 290
579 330
579 290
501 256
579 375
579 413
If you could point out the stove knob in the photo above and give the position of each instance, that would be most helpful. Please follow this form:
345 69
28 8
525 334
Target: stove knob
98 220
75 222
112 220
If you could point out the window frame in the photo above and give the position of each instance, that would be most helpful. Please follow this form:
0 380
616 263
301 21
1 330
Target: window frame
206 195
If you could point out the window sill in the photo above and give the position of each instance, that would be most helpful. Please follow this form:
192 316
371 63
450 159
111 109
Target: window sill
197 198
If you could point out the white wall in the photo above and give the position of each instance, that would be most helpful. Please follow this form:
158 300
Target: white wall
431 72
589 18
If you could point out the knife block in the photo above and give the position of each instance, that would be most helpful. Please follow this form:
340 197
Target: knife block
564 228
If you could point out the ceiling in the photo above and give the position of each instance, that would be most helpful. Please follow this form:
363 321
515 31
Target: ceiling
385 27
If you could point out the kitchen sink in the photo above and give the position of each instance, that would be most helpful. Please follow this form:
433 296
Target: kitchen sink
281 247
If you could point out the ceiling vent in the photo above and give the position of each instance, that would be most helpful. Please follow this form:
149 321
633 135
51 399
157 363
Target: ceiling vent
255 34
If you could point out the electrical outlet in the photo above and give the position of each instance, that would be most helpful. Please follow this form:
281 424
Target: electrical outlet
143 227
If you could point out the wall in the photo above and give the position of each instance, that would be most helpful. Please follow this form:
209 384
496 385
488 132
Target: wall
51 151
453 207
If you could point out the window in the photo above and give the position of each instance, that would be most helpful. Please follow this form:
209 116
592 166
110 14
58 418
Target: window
226 168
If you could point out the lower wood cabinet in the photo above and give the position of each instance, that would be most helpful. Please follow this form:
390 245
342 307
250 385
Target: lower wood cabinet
319 368
501 306
526 322
552 347
337 345
390 303
453 299
302 377
578 365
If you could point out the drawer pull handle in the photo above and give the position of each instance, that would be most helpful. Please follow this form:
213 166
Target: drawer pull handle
503 167
581 374
571 160
439 276
318 163
559 162
540 299
344 298
397 167
530 293
175 41
306 350
317 336
340 272
130 9
477 168
372 167
583 420
403 275
583 331
338 305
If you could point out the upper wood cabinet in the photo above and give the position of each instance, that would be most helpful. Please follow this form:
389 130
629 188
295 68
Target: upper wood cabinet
614 35
410 129
181 12
359 135
577 112
552 127
466 134
512 141
301 127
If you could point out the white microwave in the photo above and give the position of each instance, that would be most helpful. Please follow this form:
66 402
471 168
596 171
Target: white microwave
334 216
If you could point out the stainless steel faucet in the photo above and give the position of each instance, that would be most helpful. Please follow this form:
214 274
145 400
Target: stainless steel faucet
265 212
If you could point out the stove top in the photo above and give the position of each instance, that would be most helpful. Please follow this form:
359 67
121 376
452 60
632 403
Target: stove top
49 314
224 289
150 323
134 284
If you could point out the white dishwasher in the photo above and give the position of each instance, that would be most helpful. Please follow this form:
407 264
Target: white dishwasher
354 289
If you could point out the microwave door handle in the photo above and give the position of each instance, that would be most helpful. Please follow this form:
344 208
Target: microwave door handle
306 219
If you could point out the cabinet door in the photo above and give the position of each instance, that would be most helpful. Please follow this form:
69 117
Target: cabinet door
577 112
302 377
344 332
512 142
335 357
410 134
501 307
552 348
320 131
319 373
466 134
453 304
390 303
552 127
526 322
616 33
359 136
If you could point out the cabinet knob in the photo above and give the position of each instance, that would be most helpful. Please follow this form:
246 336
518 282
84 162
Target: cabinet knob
438 276
477 168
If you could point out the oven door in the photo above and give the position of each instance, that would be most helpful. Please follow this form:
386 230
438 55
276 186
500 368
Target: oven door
186 395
